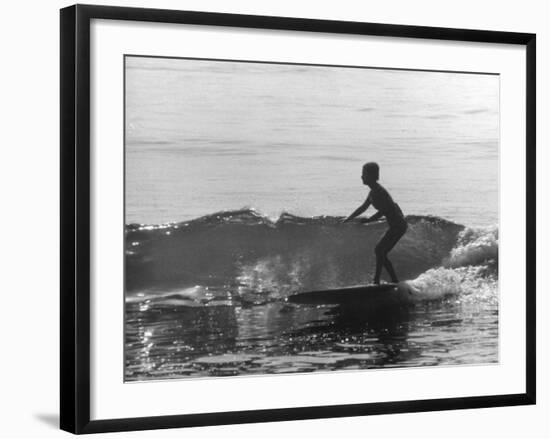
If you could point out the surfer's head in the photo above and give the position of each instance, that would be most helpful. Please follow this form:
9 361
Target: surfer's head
371 173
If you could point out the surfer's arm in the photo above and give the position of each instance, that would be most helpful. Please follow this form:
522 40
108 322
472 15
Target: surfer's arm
375 217
359 210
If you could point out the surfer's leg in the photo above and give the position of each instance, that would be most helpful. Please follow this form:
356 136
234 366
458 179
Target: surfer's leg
381 252
378 271
383 261
388 241
389 268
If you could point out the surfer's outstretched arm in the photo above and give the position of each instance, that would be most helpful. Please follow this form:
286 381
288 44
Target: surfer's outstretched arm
359 210
375 217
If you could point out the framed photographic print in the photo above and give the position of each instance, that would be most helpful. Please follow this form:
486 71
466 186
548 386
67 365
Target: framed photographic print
274 218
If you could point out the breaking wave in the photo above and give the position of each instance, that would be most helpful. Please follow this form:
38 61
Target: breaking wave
243 257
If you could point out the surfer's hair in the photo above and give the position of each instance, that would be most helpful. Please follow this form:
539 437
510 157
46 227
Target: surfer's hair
372 168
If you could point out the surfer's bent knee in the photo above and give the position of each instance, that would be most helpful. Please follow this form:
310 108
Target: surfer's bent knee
402 229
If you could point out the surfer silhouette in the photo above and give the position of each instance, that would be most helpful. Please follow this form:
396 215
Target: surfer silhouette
382 201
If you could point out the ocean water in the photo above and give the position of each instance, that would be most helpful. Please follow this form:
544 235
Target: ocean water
236 177
205 136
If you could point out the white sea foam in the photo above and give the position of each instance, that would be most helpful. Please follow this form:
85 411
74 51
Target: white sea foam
474 246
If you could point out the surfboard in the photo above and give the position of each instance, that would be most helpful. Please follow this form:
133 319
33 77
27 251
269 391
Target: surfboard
383 294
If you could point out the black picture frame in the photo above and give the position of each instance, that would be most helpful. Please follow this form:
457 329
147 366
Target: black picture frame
75 217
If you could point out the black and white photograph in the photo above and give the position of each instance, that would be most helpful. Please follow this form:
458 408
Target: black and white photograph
269 219
296 218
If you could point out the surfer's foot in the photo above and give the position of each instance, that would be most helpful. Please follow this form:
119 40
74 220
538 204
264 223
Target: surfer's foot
376 281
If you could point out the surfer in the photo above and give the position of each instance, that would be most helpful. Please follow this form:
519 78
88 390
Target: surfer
382 201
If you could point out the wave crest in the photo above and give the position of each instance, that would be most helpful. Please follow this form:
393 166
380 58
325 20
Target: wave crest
243 255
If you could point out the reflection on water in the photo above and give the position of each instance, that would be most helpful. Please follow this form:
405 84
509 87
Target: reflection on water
164 342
